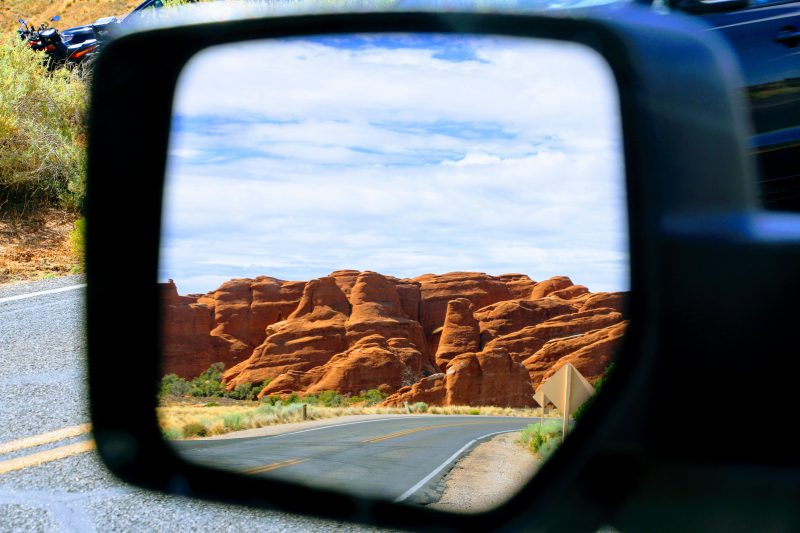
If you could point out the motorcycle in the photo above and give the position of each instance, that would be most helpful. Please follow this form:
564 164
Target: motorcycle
28 32
68 49
63 54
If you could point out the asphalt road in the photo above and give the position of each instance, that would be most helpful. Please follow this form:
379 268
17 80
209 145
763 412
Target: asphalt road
401 459
50 477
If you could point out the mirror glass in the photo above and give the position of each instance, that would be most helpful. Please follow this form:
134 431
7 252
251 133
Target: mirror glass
390 262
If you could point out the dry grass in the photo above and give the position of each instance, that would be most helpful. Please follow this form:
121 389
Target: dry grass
235 416
72 12
36 246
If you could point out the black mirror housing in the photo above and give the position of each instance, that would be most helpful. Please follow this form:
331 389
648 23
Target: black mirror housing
694 229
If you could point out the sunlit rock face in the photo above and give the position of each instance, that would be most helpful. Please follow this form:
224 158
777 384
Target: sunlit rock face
460 333
462 338
186 333
490 377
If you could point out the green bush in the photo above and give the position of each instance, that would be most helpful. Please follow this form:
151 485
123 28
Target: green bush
327 398
272 399
369 398
536 436
173 385
172 434
474 411
549 446
209 383
194 429
233 421
419 407
42 131
77 242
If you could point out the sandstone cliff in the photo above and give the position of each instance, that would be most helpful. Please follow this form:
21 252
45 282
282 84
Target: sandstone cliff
463 338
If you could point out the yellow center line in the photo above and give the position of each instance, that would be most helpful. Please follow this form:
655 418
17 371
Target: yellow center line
44 438
272 466
35 459
424 428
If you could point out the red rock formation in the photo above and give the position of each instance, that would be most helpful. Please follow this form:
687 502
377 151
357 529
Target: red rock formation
232 320
570 293
370 363
345 279
543 288
429 389
460 333
273 300
410 297
186 327
519 285
590 353
354 331
377 310
614 300
309 337
523 343
480 289
485 378
509 316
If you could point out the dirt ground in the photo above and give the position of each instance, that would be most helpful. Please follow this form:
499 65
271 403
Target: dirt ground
488 476
36 246
72 12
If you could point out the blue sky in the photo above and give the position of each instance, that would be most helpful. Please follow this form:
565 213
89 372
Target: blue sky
399 154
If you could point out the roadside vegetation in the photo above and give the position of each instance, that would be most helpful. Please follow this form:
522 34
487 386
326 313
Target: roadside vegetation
542 439
42 131
42 165
202 407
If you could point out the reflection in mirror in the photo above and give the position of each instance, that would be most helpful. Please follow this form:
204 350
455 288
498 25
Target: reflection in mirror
341 217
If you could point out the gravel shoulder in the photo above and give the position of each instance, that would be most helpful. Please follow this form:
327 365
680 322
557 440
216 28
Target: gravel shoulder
488 476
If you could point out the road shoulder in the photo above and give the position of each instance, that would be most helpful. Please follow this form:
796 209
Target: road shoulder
488 476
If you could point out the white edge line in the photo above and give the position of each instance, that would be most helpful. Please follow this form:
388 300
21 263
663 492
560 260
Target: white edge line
449 460
41 293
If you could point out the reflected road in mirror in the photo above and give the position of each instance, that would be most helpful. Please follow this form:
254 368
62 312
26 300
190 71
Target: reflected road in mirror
403 458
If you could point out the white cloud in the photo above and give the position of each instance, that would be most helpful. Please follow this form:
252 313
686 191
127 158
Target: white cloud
317 158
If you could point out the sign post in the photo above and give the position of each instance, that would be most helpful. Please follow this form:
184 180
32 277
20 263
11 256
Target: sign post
567 389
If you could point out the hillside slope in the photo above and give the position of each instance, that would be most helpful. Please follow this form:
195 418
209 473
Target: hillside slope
72 12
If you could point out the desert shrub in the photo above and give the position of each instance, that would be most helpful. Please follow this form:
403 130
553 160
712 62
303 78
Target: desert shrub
245 391
194 429
209 383
174 385
42 131
327 398
77 241
272 399
172 433
418 407
549 446
211 404
474 411
535 436
369 398
233 422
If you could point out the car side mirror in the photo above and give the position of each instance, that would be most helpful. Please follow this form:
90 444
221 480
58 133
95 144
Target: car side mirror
680 191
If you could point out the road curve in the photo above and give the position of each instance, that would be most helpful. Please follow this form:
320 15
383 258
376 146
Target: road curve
400 458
